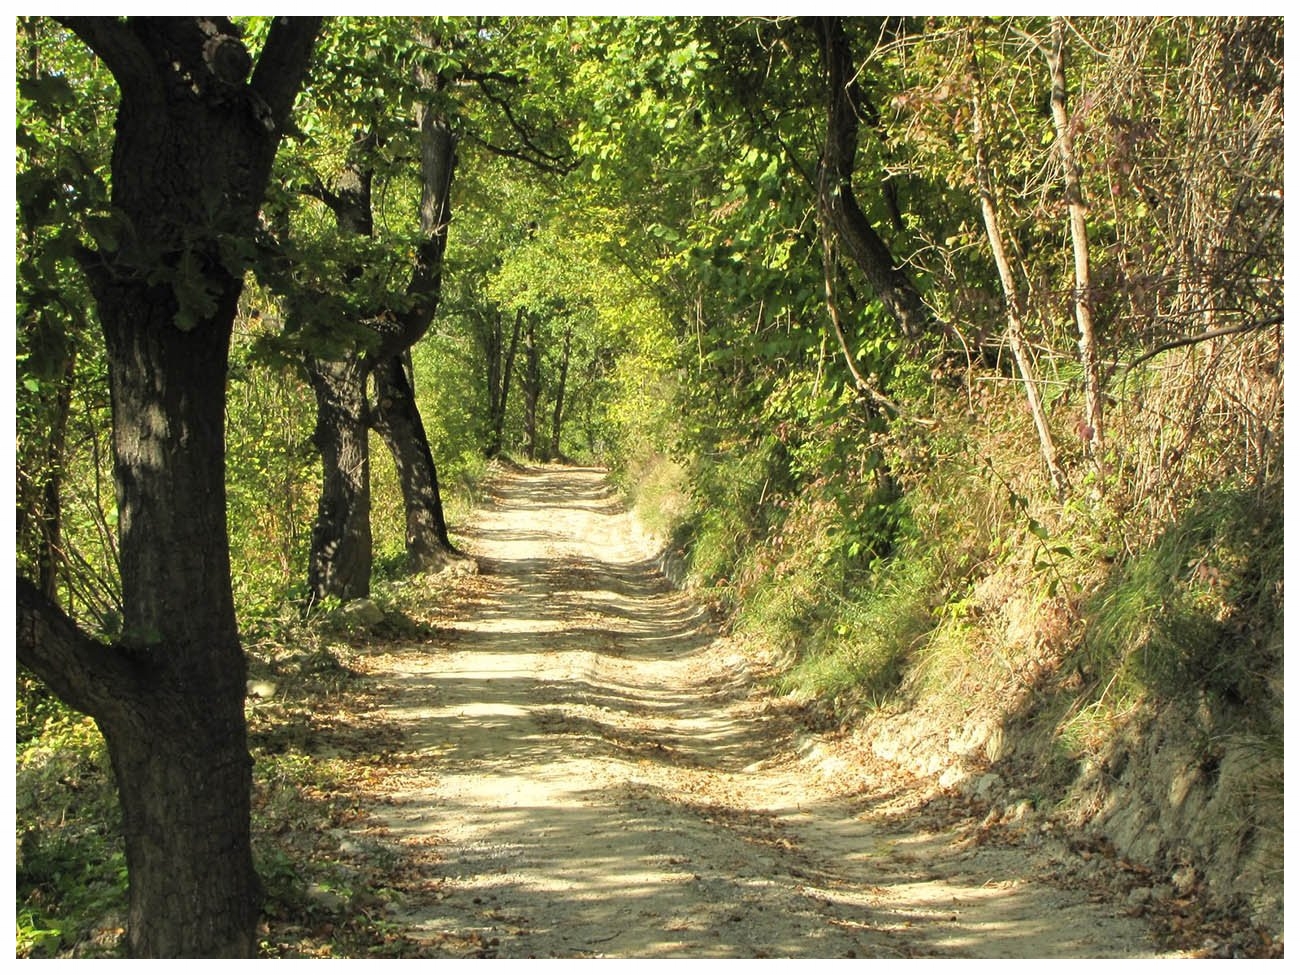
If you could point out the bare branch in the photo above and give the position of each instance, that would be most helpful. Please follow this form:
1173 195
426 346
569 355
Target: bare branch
556 169
1216 333
558 161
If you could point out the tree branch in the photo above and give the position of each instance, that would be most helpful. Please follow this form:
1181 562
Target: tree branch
282 64
560 162
836 200
122 51
1216 333
317 189
85 673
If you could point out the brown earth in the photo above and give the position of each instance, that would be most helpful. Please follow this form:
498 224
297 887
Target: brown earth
592 768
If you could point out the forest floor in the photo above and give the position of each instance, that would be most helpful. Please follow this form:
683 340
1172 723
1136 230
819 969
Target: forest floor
588 766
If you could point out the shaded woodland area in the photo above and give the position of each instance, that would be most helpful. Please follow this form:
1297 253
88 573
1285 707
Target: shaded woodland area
943 355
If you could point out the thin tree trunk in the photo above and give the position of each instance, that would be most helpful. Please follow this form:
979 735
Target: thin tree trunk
49 516
1092 429
499 373
341 547
50 556
532 385
557 415
1015 329
396 418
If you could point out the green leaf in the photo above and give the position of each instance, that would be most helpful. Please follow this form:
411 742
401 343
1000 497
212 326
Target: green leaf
196 301
48 91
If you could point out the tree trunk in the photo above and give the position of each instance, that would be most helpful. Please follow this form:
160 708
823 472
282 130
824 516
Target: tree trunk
169 697
49 558
836 201
341 547
179 749
396 418
499 372
1015 327
557 415
532 386
342 551
1091 429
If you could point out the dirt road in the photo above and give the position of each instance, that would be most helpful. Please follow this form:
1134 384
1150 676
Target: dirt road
594 772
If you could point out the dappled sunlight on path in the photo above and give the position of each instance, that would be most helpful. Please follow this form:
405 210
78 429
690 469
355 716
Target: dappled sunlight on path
596 776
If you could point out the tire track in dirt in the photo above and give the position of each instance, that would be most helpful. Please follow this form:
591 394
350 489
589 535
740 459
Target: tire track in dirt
595 775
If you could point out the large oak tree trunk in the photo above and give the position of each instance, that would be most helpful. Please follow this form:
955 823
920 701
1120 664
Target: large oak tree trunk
169 697
342 550
178 745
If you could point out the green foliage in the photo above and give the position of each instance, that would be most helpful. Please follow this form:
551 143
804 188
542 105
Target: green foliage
71 872
858 658
272 474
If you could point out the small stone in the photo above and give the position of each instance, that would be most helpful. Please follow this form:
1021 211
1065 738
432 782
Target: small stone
988 785
363 612
325 898
1017 811
1139 896
1183 880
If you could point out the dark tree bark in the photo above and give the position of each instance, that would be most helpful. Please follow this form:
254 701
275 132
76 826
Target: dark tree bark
500 367
836 201
396 418
557 414
342 551
532 386
169 697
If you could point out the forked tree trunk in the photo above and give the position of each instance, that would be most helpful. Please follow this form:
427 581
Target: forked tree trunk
342 550
169 696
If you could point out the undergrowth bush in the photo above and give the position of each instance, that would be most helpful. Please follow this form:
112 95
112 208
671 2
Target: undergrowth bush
70 873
